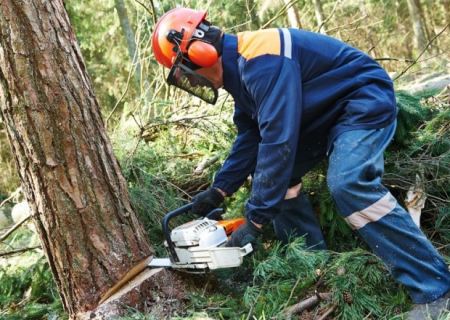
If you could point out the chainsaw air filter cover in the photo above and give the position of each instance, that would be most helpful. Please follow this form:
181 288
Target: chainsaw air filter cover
204 233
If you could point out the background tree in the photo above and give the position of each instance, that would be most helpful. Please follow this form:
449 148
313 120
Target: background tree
69 173
417 26
293 15
319 15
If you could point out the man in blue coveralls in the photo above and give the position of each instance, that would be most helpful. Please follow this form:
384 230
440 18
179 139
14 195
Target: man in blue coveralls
301 97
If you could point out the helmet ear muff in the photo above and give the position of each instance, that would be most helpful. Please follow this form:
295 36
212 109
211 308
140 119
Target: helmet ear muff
202 54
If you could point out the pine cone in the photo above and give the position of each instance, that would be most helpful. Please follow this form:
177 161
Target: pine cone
397 311
348 297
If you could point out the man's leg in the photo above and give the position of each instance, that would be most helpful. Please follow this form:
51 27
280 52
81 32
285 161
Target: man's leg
297 217
354 177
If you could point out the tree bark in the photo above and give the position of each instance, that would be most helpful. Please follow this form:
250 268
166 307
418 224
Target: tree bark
69 173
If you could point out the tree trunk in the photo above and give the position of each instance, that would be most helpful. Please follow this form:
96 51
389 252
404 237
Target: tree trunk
69 173
293 16
125 24
446 4
129 36
419 35
319 15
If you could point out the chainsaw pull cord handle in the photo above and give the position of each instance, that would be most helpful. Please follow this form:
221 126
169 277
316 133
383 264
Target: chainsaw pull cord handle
216 214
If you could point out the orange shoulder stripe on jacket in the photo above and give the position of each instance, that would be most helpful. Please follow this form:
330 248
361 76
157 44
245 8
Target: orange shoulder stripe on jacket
252 44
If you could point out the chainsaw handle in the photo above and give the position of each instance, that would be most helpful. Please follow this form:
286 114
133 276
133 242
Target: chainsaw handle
166 230
216 214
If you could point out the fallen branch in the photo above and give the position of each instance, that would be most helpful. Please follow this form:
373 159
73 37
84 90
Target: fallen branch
13 228
328 312
8 253
198 170
306 304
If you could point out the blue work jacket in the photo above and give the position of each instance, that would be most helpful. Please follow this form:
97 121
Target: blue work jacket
295 91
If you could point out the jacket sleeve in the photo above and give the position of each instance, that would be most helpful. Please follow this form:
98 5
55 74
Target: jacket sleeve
242 160
274 83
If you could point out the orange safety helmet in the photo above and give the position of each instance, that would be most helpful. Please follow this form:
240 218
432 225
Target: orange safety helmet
180 30
184 41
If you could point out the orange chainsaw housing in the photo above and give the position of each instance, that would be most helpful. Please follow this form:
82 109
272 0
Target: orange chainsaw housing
231 225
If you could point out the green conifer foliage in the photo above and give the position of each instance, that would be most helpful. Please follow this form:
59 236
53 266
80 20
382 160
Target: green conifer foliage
411 115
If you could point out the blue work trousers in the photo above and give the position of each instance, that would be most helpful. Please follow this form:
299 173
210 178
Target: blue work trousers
355 171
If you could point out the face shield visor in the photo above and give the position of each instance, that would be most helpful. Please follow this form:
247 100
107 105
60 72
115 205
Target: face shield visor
186 79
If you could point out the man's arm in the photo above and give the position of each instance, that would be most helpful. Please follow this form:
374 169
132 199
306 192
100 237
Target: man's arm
274 82
242 160
239 164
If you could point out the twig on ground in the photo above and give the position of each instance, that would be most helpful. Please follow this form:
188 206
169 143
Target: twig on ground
328 312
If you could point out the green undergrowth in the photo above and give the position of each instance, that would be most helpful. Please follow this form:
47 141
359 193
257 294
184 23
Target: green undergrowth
27 289
280 276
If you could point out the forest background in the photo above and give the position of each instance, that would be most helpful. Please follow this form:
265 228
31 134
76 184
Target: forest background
163 138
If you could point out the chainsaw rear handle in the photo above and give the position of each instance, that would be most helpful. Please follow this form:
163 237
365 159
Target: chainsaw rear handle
213 215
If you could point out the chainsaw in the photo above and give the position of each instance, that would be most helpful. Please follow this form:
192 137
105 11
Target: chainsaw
198 246
195 247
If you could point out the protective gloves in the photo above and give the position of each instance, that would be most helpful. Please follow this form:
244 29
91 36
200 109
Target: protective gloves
246 233
206 201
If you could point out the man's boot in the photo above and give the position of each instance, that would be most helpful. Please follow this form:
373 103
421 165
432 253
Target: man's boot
297 219
437 309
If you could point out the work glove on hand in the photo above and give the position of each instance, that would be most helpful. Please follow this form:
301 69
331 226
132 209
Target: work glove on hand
245 234
206 201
